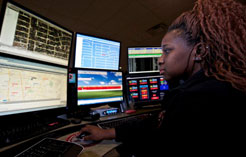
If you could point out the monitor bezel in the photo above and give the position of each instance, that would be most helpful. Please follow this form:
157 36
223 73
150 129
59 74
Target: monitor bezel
52 112
3 9
43 112
144 103
74 106
140 73
99 37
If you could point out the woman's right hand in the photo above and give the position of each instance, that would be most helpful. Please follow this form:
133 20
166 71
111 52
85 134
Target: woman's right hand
97 134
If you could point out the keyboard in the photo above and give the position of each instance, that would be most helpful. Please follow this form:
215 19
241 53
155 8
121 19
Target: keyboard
22 130
50 147
122 121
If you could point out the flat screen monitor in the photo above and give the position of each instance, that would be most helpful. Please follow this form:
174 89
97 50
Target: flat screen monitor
144 90
143 59
99 87
27 34
96 53
27 86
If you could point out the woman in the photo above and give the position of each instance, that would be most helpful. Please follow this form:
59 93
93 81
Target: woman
204 47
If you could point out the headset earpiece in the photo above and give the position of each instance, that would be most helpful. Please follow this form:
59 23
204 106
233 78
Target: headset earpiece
198 54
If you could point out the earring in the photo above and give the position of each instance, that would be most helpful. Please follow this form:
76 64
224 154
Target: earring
197 58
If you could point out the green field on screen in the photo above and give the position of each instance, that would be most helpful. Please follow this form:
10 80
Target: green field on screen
99 94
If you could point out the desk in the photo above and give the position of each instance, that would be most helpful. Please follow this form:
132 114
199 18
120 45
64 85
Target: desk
97 150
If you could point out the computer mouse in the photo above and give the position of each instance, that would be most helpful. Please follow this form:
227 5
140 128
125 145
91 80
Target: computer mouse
82 135
79 139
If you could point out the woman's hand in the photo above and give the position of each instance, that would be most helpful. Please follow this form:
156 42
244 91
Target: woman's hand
97 134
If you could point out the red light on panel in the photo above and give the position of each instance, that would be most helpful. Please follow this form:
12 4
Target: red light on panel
144 96
144 88
153 81
144 91
54 123
133 82
155 98
143 82
133 89
162 81
134 95
153 88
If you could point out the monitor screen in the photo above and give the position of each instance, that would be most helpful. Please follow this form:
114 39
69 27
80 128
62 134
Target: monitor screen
99 87
146 88
26 34
26 86
143 59
96 53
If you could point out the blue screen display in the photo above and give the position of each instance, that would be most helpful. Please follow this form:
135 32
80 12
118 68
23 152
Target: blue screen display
146 88
96 53
99 87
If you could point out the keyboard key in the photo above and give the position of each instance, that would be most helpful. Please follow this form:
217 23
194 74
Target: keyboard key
49 147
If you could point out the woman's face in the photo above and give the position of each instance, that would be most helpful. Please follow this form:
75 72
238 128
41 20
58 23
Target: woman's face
176 55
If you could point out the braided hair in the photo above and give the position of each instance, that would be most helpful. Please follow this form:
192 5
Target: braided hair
218 27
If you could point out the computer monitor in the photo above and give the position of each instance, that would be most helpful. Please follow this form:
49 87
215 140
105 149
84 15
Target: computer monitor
143 59
99 87
27 34
96 53
27 86
145 90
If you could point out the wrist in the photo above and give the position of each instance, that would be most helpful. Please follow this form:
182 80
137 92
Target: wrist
109 134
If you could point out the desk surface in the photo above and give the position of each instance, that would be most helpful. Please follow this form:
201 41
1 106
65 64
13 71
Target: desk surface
97 150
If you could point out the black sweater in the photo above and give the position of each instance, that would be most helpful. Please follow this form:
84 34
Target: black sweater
203 115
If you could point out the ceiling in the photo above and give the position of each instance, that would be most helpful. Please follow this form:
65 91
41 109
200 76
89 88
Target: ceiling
133 22
123 20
